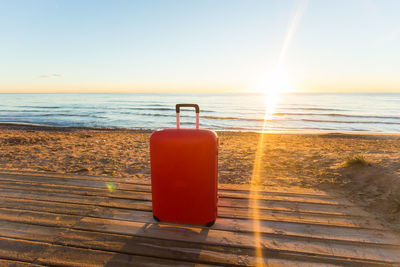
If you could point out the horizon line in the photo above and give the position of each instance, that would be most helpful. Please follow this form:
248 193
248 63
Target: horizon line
255 93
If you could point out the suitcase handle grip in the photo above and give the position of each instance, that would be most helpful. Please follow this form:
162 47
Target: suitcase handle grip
178 107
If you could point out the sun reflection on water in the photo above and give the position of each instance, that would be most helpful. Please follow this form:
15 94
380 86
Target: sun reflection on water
271 101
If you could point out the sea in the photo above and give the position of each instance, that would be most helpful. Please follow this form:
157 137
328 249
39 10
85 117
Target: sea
307 112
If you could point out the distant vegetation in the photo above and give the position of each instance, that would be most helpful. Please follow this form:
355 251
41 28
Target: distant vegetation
356 160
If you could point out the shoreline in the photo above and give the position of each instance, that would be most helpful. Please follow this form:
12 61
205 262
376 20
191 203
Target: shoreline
39 127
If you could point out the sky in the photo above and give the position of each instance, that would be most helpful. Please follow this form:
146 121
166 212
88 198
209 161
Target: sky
199 46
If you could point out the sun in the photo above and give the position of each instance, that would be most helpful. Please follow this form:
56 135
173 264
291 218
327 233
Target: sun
272 86
275 82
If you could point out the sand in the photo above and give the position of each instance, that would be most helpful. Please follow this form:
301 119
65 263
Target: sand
287 159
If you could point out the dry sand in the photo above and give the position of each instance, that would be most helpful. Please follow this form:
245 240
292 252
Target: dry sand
302 160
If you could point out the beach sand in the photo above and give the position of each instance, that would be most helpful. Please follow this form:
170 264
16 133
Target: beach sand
287 159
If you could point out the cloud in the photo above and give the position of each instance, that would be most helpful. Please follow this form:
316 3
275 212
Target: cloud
54 75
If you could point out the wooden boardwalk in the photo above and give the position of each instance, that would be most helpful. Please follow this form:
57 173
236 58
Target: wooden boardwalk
49 219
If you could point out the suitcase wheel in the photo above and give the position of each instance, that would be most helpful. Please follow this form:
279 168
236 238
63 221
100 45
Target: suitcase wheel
210 224
155 218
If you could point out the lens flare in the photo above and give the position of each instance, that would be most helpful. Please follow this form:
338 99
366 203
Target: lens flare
111 187
273 85
253 202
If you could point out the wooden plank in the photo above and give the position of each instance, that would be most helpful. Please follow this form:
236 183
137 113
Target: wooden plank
292 198
166 249
236 239
43 205
146 182
50 254
195 234
98 215
281 191
78 184
21 229
37 217
12 263
224 212
267 227
236 202
334 233
242 203
89 187
188 251
136 195
21 250
22 202
290 206
71 256
29 191
78 199
261 188
126 184
56 176
206 236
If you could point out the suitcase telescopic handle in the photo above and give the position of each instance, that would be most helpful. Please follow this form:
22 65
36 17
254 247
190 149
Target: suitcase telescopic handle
178 107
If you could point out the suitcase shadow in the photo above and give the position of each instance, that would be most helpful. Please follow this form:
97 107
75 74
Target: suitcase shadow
162 243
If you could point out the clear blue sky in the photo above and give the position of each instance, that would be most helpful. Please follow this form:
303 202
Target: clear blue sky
198 46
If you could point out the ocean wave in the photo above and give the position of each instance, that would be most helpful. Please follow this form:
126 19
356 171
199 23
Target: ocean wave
149 108
76 115
48 115
336 115
156 115
364 122
341 115
44 107
230 118
300 128
272 128
233 128
320 109
136 103
169 109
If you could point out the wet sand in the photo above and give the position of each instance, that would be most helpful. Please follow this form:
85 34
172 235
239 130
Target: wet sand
288 159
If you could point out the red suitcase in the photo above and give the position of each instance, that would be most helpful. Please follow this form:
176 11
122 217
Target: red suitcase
184 173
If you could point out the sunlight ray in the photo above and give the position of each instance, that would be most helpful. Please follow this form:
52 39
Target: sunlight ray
273 86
